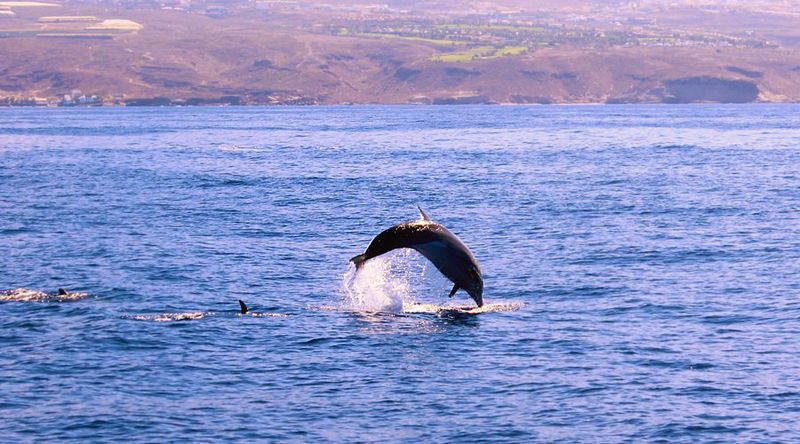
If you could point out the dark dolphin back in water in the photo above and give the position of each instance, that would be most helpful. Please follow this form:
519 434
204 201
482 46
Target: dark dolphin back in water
443 248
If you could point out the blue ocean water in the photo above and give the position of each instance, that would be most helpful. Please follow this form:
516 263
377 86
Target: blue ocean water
642 265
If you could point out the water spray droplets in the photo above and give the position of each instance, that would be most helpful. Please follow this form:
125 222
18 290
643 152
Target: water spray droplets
385 283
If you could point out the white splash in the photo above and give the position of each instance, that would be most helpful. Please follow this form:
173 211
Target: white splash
171 317
452 308
384 284
28 295
400 281
373 288
23 295
264 315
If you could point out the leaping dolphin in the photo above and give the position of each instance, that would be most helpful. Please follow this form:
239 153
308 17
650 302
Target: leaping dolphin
443 248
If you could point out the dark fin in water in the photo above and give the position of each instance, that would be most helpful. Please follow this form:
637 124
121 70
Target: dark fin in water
62 292
243 306
422 214
453 291
358 260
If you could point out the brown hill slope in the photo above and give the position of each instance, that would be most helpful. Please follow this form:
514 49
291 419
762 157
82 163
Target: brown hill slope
262 58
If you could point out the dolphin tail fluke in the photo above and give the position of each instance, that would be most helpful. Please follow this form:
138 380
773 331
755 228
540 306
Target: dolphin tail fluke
358 260
453 291
243 306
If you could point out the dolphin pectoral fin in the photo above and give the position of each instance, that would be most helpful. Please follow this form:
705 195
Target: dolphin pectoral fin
453 291
243 306
422 214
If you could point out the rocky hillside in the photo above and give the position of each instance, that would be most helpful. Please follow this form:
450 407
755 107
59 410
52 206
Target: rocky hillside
251 55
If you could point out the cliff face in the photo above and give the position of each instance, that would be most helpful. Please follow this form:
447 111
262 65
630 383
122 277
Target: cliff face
709 89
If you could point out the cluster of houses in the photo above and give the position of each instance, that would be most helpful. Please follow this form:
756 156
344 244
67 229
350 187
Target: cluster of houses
74 98
77 98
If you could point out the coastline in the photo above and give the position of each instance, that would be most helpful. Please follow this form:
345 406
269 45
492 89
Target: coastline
366 104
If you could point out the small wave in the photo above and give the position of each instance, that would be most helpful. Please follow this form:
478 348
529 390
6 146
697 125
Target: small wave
69 297
197 315
265 315
419 308
240 148
28 295
673 146
496 307
23 295
171 317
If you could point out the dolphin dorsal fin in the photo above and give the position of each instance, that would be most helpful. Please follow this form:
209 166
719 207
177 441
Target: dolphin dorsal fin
422 214
243 306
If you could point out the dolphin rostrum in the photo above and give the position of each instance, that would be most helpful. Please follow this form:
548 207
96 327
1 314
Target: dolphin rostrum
446 251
